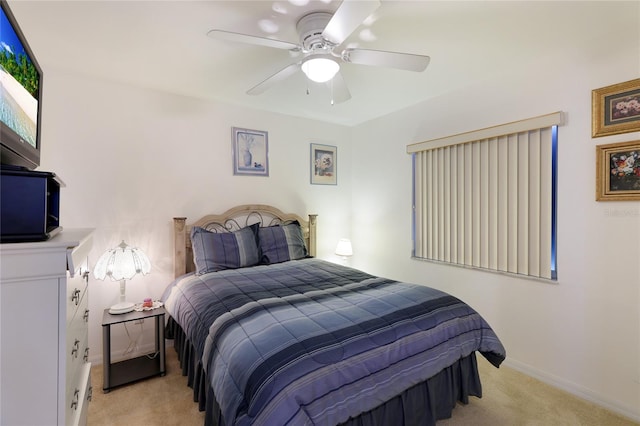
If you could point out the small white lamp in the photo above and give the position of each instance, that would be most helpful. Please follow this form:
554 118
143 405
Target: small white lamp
344 248
120 264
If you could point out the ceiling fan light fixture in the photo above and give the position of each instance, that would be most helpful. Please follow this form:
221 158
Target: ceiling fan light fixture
320 68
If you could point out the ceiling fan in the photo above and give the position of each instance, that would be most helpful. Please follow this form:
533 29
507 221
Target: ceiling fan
319 53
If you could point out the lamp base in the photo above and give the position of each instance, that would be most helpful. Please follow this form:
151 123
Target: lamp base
121 308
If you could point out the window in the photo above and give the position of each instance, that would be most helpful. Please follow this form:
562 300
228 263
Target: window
487 199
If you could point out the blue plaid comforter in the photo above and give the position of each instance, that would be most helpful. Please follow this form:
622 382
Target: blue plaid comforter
312 342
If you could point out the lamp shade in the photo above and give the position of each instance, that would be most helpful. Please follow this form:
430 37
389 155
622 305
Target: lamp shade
320 68
344 248
122 263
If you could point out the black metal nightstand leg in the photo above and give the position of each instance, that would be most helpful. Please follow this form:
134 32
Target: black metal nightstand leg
160 344
106 357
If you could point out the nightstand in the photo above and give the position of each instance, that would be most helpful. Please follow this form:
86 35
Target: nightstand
134 369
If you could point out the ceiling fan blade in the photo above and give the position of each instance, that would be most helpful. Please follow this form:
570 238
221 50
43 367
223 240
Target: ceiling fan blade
380 58
347 18
339 90
283 74
249 39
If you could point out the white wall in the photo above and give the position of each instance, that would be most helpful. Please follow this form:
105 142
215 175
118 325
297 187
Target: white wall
132 159
581 334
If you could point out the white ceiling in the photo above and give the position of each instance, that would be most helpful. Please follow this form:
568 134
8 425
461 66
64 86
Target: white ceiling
163 45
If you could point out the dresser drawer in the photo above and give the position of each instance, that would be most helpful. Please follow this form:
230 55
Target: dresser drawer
77 391
77 352
78 404
76 289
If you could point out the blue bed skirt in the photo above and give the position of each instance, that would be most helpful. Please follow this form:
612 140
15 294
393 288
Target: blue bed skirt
422 404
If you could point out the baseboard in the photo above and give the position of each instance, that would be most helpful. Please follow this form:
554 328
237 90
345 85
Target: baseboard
574 389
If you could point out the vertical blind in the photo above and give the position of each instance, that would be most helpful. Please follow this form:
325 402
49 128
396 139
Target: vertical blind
487 199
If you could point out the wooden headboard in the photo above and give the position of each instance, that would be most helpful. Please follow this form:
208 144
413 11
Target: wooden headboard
232 220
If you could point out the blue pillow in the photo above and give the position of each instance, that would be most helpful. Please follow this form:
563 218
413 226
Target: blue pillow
215 251
281 243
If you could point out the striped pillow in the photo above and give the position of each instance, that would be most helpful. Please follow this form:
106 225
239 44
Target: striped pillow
215 251
281 243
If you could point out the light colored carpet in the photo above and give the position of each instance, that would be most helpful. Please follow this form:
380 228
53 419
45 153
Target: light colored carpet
509 398
165 400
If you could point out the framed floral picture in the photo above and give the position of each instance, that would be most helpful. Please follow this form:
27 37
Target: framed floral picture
616 109
250 152
324 164
618 171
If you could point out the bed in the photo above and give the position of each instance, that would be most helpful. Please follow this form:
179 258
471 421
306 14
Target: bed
279 337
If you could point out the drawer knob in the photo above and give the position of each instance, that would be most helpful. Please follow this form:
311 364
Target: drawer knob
75 297
86 355
90 393
76 399
85 316
76 347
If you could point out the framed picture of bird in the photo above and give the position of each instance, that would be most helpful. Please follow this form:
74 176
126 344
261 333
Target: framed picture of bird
324 164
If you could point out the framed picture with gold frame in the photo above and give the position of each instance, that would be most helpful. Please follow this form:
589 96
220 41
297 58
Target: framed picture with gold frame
618 171
616 109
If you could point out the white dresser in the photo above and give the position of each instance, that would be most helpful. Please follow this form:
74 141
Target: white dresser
44 370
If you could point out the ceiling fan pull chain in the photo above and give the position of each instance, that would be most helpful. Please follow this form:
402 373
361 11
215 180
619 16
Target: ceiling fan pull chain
332 92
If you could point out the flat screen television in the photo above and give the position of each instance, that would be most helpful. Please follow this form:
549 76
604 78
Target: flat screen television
20 96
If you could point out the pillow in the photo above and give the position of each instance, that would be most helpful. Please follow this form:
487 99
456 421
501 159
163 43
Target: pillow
215 251
281 243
